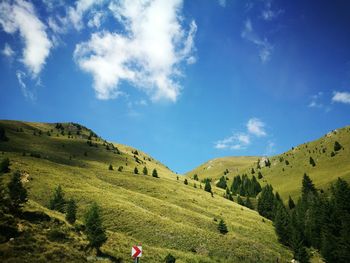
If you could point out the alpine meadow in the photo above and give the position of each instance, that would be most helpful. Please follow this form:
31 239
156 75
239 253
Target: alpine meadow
176 131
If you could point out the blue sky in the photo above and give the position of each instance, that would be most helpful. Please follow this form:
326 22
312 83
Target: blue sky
185 81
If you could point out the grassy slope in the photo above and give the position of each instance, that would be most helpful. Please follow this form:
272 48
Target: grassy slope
215 168
163 214
286 179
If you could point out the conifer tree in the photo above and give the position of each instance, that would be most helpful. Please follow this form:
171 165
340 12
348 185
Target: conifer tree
291 203
4 165
145 171
170 259
240 200
185 182
3 136
17 193
266 202
155 173
222 227
312 162
136 171
71 214
207 186
94 229
282 224
222 182
248 203
57 201
337 146
110 167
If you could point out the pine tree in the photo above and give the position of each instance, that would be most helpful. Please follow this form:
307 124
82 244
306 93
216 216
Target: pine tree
222 182
185 182
58 202
240 200
248 203
3 137
136 171
282 224
307 187
222 227
94 229
252 171
4 165
110 167
312 162
266 202
71 214
120 168
291 203
155 173
17 193
145 171
207 186
195 177
337 146
170 259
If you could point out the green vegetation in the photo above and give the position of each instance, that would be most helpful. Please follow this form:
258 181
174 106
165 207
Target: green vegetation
222 182
222 227
245 186
17 193
57 202
71 214
94 230
5 165
163 214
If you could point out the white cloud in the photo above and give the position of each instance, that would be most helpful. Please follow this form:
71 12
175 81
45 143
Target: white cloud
256 127
263 45
25 91
316 101
76 13
8 51
20 16
96 20
342 97
147 53
237 141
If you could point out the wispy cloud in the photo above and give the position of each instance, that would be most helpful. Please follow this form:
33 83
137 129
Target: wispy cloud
316 101
20 16
25 91
264 46
341 97
237 141
8 51
241 140
134 56
268 13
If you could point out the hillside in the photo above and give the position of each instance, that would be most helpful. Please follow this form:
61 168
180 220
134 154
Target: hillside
287 169
163 214
215 168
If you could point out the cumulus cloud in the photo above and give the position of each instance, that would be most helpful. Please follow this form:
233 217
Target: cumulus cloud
236 141
256 127
8 51
263 45
96 20
342 97
21 16
147 53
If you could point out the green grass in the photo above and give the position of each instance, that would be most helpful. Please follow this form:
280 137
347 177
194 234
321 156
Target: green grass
163 214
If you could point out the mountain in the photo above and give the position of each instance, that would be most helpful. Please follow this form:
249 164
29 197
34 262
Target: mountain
163 214
319 159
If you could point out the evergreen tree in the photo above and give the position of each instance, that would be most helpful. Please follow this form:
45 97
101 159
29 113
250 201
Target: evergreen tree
110 167
120 168
5 165
222 227
266 202
260 175
240 200
222 182
195 177
185 182
170 259
312 162
282 224
136 171
207 186
155 173
71 214
94 229
248 203
291 203
145 171
337 146
58 202
308 187
252 171
17 193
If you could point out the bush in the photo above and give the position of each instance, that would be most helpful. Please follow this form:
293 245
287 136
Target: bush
110 167
4 165
56 234
170 259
